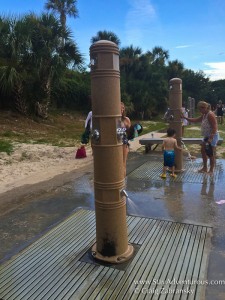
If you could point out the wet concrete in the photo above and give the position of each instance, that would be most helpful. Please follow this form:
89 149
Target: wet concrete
28 212
194 203
186 203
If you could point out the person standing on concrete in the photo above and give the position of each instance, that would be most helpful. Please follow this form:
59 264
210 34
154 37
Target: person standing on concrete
169 145
219 112
125 124
88 127
210 133
184 121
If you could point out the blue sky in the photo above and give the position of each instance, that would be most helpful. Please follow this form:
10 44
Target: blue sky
191 30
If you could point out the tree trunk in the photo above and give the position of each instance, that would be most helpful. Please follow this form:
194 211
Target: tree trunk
20 104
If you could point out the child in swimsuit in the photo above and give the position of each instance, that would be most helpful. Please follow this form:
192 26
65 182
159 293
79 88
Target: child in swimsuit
169 145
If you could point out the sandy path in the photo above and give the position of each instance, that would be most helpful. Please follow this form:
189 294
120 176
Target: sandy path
34 163
30 164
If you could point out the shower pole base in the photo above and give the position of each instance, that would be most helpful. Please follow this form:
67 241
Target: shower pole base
117 259
176 170
179 171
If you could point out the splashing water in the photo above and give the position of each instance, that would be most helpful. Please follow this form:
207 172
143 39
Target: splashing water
132 207
84 185
188 152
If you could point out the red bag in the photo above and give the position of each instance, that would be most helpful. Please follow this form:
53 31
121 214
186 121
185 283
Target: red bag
81 152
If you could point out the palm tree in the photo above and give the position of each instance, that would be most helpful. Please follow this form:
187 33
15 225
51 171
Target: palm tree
32 57
130 52
106 35
160 55
13 44
175 68
50 57
129 59
63 8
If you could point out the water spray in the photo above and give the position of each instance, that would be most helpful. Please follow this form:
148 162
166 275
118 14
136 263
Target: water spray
123 193
188 152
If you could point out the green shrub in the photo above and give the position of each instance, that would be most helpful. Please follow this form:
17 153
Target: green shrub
6 147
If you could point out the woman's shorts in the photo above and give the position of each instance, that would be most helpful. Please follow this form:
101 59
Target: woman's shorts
214 140
169 158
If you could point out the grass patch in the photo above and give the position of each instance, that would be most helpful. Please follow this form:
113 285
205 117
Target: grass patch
193 133
149 126
11 134
61 128
6 147
64 129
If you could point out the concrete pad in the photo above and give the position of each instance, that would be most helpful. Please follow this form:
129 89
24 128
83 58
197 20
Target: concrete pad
182 202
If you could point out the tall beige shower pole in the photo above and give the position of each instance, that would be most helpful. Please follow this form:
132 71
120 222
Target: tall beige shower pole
110 202
175 104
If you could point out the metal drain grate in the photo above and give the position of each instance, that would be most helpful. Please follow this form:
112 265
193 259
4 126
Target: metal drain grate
153 169
172 256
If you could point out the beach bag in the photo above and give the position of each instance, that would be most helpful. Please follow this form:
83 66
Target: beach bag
208 148
81 152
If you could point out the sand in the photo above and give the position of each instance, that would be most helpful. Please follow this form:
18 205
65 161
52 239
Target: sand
34 163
